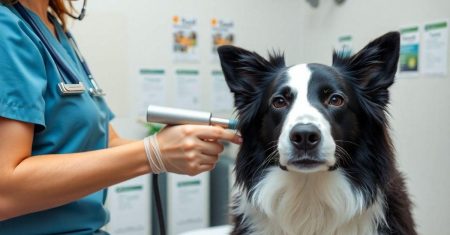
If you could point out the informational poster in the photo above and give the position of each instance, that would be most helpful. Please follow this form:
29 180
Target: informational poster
188 89
435 49
222 33
188 202
222 98
409 51
129 207
344 45
185 39
152 89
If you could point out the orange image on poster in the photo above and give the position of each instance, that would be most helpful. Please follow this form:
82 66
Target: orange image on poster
222 34
185 39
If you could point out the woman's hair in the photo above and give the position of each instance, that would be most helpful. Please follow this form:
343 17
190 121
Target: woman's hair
60 8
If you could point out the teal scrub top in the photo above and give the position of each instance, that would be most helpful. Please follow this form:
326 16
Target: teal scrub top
29 93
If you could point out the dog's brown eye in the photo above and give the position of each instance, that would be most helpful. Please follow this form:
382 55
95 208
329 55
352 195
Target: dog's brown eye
336 100
279 102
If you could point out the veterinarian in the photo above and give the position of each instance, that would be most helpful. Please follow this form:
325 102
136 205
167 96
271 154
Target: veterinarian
58 151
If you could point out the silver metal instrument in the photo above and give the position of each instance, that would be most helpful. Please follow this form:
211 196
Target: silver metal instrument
175 116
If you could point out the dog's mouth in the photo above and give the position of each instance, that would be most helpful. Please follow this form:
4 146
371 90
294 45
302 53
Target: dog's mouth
306 165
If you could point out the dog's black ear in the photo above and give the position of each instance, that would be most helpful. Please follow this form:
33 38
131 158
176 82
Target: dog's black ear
244 70
373 68
247 74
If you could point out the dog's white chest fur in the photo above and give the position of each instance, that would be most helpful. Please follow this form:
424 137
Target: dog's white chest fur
323 203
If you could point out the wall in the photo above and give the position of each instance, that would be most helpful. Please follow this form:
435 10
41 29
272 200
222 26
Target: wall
132 36
419 111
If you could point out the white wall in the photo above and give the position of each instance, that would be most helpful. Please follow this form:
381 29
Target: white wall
420 110
119 37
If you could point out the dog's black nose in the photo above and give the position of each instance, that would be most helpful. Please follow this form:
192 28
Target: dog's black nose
305 136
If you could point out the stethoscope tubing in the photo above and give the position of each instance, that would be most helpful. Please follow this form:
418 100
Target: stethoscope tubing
60 64
62 67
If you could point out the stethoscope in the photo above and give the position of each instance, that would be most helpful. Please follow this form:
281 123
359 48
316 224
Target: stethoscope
69 84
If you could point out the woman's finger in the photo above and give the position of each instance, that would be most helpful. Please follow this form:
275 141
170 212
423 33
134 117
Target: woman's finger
217 133
206 167
210 147
206 159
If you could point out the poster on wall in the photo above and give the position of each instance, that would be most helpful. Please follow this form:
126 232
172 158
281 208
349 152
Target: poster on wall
222 98
128 204
435 48
222 33
185 39
152 89
188 89
344 45
409 51
188 206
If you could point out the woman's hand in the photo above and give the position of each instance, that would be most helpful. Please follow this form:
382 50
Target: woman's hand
192 149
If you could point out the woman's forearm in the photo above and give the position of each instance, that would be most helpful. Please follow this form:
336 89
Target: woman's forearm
47 181
30 184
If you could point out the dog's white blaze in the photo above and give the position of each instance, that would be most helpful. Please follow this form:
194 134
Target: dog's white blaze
302 112
289 203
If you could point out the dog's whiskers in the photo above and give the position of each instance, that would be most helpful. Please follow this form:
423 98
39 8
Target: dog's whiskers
269 158
342 154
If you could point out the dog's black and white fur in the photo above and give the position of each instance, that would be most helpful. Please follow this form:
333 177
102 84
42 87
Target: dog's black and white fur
317 158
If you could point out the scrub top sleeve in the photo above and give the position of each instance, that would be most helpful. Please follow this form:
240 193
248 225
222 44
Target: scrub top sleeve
110 113
105 108
22 72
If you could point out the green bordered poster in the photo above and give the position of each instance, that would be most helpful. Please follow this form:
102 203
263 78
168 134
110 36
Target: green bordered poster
221 97
128 203
188 202
344 45
409 51
435 49
152 88
188 90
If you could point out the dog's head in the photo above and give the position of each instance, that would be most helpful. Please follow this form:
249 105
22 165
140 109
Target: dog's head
309 117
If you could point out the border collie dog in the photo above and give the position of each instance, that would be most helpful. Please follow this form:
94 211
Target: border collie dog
317 158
